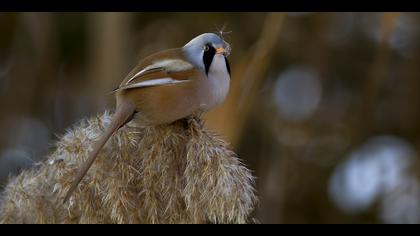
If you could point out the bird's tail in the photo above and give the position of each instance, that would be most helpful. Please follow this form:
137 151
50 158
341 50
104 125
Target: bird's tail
123 114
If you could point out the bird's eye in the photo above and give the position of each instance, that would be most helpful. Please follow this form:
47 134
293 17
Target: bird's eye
206 48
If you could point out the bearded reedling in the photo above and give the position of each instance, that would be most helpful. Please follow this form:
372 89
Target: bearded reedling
168 86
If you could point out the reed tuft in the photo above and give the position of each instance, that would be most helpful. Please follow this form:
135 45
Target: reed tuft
178 173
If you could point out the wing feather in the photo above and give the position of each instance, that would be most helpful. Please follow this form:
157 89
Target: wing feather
151 83
163 72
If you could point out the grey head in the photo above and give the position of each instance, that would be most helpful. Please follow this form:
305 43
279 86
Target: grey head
201 50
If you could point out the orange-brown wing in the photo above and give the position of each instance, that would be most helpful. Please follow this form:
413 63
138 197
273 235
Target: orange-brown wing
165 68
159 76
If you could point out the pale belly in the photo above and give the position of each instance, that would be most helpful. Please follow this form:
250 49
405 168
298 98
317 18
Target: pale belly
217 84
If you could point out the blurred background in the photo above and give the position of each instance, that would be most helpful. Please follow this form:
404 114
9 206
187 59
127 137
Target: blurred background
323 107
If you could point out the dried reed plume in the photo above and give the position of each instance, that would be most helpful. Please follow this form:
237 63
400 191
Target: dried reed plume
179 173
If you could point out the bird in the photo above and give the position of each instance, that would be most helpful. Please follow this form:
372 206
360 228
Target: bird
168 86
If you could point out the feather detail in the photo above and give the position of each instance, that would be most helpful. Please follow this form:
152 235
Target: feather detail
151 83
167 65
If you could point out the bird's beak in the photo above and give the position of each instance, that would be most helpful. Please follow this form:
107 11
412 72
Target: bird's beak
220 51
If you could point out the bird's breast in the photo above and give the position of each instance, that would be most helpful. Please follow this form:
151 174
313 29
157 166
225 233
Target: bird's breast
217 82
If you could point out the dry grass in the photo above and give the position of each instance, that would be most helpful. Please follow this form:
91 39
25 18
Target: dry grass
179 173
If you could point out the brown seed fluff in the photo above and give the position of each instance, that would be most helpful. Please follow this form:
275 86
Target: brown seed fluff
178 173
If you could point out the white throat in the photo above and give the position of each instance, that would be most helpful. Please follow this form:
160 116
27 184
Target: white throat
219 79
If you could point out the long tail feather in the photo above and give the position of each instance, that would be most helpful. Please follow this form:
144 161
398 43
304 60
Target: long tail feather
123 114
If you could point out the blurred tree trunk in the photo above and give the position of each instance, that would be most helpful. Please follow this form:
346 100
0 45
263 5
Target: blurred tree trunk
108 35
32 67
376 74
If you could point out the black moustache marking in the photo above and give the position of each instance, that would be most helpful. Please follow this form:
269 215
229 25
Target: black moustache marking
227 66
208 57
